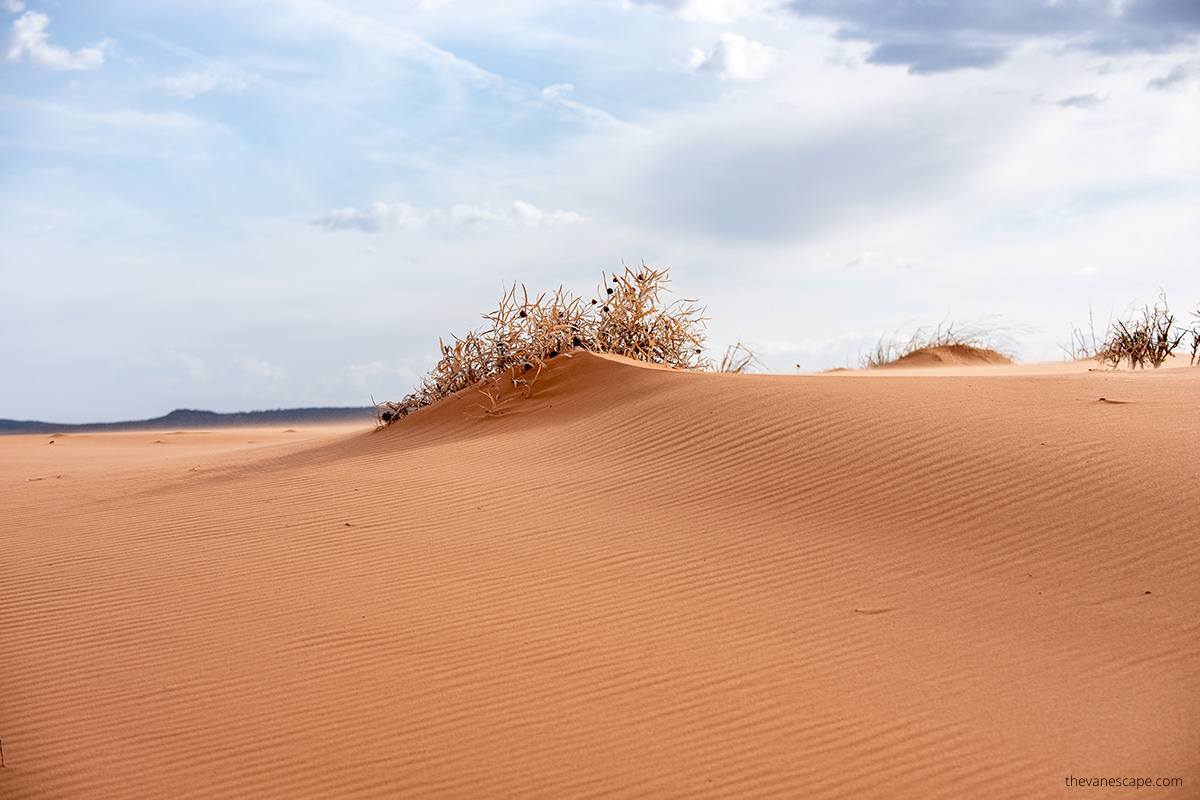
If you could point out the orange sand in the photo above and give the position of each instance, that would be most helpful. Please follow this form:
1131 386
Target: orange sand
949 355
637 582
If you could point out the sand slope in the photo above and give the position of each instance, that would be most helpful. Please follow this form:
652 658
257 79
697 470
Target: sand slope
948 355
637 582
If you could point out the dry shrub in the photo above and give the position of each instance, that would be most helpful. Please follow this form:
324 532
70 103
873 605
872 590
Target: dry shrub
1148 339
1195 334
982 335
627 317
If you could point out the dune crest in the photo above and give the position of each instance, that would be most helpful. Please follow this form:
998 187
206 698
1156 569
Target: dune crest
633 582
956 355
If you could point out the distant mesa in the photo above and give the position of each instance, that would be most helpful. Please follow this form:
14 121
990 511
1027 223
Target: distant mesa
184 419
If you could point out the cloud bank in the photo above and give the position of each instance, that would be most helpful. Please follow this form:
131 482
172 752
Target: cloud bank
721 11
929 38
940 37
28 39
1178 77
735 58
393 217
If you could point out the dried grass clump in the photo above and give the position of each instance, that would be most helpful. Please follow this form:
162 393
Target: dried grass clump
627 317
739 358
981 335
1148 339
1084 346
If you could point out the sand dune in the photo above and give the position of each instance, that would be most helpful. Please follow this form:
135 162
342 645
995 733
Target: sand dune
956 355
636 582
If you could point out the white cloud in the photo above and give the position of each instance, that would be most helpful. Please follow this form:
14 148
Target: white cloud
376 218
362 375
557 95
75 128
128 118
262 369
29 38
171 369
1083 101
861 260
806 346
374 35
13 6
1178 77
721 11
558 91
192 83
385 217
521 215
474 216
735 58
196 369
533 217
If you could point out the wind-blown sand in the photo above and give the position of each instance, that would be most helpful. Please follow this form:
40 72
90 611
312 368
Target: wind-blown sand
637 582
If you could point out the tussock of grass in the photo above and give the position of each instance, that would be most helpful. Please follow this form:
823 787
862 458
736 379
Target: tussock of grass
981 335
1084 346
628 317
739 358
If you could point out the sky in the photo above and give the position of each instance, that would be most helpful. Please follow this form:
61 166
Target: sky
285 203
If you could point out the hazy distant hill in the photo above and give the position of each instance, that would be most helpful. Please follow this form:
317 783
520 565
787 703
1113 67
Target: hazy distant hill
189 419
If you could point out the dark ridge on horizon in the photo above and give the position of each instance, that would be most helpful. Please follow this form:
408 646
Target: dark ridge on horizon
186 418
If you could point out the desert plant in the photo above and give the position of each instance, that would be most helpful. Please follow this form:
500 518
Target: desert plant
495 406
738 358
1195 333
1148 339
627 317
1084 347
633 323
982 335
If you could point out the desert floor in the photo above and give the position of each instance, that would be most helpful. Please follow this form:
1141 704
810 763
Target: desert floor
635 582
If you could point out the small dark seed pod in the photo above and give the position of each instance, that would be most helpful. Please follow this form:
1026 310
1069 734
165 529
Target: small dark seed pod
577 341
386 416
641 278
593 302
606 308
610 291
522 314
529 366
615 279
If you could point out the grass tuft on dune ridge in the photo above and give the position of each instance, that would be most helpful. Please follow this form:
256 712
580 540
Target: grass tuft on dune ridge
627 317
978 335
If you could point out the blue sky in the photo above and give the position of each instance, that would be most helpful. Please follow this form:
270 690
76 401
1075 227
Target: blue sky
279 203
